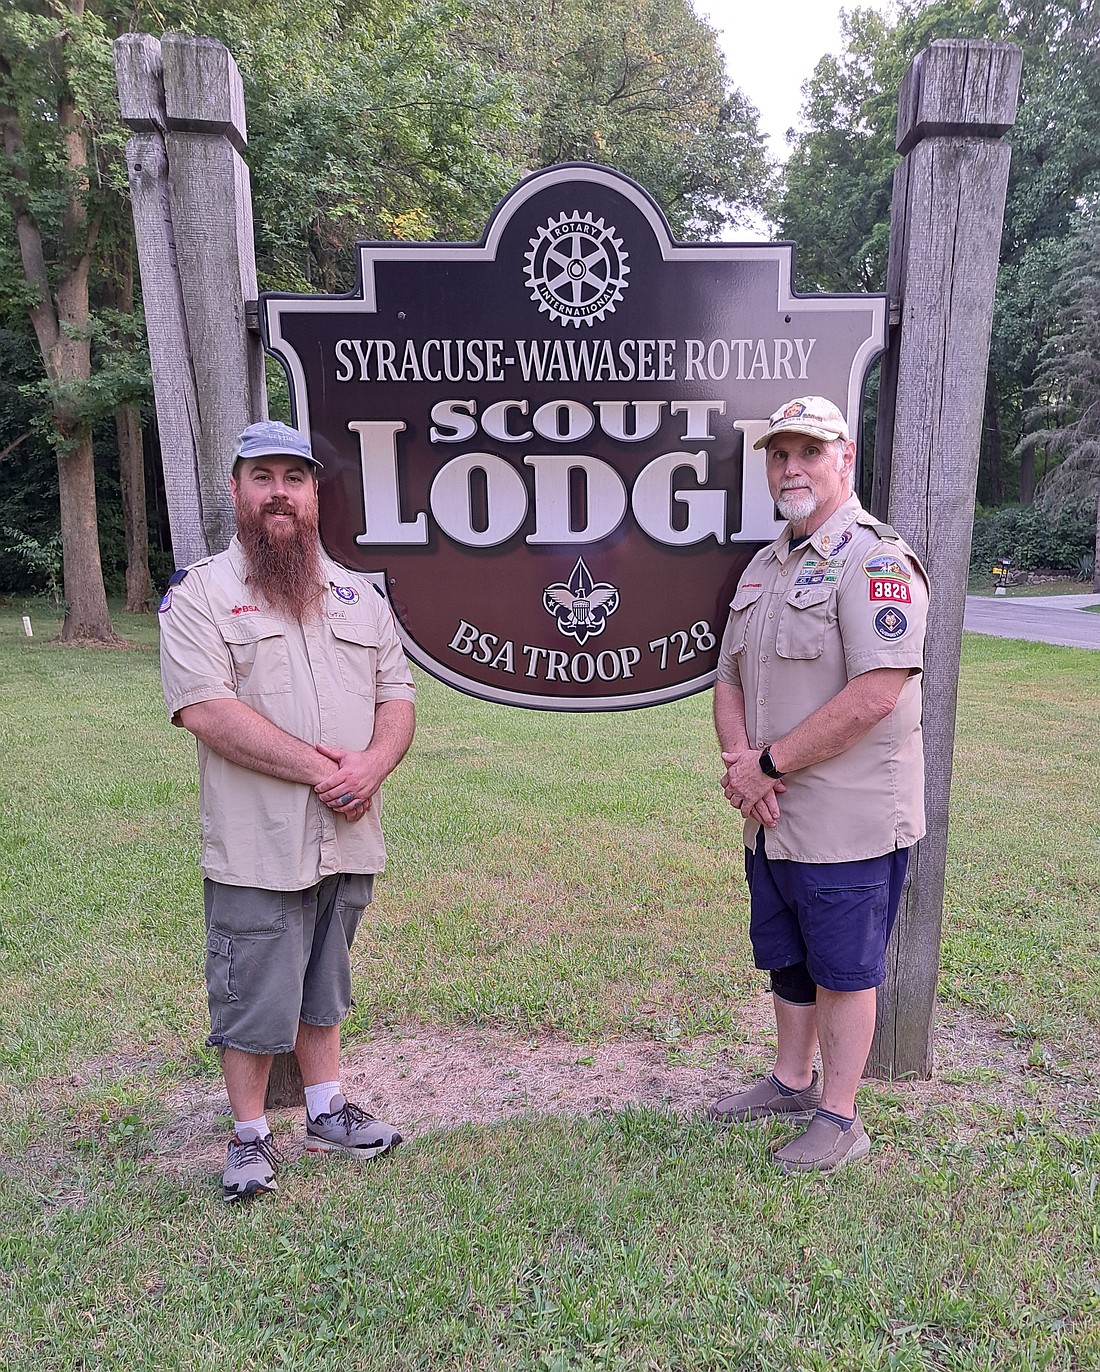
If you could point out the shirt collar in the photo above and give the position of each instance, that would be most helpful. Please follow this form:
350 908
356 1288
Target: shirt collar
824 541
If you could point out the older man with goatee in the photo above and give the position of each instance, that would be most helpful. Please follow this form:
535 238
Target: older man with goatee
287 669
818 712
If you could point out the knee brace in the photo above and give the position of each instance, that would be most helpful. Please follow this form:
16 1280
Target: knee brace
794 984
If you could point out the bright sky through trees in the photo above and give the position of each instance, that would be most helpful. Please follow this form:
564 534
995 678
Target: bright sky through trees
771 49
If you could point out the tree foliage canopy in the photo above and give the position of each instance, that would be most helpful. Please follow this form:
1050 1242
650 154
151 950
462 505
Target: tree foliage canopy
367 119
835 200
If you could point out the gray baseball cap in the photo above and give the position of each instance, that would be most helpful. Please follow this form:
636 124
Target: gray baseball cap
271 438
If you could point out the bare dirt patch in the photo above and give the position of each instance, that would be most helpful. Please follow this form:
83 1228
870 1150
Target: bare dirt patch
426 1077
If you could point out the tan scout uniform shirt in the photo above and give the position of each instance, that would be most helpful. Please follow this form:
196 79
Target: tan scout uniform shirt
802 624
320 682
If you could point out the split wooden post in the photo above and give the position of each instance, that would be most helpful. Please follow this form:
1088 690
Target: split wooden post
192 200
956 101
183 97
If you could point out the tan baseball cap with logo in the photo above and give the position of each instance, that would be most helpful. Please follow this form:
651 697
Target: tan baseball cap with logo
809 414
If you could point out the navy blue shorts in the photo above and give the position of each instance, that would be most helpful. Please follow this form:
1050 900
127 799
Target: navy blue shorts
835 917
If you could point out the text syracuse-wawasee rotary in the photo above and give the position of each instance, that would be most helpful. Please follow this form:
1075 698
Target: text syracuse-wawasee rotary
572 359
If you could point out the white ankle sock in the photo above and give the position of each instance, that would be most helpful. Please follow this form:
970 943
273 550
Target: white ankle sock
318 1098
259 1125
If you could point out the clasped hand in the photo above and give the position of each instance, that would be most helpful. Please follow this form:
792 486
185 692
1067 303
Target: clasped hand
350 789
747 788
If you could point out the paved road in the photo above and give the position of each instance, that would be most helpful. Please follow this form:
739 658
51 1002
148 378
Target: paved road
1039 618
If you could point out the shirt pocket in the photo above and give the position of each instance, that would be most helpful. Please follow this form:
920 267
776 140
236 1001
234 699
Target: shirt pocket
743 608
806 615
261 659
357 654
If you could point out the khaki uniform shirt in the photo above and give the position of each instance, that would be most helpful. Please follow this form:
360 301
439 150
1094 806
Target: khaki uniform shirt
320 681
802 624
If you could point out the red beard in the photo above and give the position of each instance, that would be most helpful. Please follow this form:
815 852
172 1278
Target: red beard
283 563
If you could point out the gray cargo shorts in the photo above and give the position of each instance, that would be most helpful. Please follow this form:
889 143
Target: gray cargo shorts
276 957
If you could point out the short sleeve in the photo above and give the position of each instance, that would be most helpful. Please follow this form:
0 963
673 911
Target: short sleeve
393 680
883 609
195 664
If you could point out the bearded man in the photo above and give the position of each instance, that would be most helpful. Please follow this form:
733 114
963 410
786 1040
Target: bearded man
817 707
287 669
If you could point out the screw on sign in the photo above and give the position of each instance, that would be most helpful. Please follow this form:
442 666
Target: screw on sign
540 444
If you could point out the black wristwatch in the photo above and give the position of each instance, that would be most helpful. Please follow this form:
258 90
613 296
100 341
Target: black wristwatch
768 767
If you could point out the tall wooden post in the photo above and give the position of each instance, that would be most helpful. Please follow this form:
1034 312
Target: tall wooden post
192 202
183 97
956 101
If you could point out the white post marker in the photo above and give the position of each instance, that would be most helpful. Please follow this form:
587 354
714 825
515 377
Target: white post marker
27 626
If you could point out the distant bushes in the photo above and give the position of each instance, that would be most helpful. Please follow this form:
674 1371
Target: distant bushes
1033 539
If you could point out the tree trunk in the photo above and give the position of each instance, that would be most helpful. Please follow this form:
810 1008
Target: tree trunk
995 466
131 475
61 319
1027 473
86 613
1096 551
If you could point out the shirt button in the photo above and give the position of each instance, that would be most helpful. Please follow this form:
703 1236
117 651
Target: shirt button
771 614
760 701
763 657
783 572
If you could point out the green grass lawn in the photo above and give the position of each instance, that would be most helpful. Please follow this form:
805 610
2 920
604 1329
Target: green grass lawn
547 872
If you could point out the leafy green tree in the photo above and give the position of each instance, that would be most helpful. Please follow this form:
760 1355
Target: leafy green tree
638 85
836 197
837 184
56 112
1066 416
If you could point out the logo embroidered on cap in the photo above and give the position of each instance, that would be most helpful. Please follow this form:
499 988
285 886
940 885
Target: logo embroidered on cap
890 623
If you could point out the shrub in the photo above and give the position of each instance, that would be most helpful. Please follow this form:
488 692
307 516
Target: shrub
1032 538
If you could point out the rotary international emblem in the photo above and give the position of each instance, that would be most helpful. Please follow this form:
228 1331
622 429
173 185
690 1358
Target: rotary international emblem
576 269
581 606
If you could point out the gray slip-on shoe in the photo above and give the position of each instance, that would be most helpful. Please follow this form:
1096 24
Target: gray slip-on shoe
765 1099
823 1147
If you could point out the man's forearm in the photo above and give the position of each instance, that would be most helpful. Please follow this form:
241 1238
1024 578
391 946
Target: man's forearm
236 732
394 726
840 722
729 717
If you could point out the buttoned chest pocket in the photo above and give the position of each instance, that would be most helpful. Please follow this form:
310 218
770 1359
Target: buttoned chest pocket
804 620
357 653
261 660
743 610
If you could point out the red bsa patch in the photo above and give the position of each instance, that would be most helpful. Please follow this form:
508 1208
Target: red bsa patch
884 588
246 609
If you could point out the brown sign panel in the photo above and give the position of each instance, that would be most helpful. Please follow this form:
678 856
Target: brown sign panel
541 445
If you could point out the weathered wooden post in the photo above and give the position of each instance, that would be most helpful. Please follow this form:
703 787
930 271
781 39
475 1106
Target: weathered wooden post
956 101
183 98
192 200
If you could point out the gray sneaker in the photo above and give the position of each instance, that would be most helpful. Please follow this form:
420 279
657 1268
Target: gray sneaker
347 1129
824 1147
251 1166
766 1099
